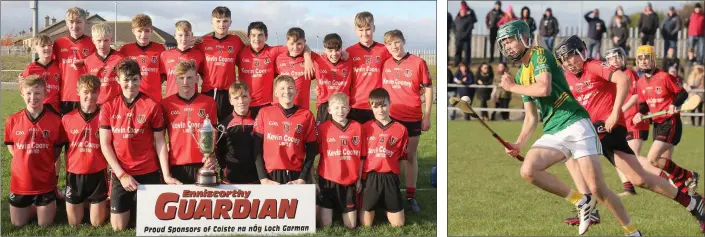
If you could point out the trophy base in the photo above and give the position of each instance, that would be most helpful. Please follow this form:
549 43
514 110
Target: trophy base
206 178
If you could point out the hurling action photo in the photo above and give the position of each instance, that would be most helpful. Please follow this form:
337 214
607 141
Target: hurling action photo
196 118
586 118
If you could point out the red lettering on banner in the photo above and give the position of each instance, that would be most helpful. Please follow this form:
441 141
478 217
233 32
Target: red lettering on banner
166 207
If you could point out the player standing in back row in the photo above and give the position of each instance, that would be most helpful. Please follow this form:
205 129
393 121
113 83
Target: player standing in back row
146 53
406 77
70 51
567 131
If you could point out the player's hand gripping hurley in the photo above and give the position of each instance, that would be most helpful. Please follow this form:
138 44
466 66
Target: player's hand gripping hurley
466 108
690 104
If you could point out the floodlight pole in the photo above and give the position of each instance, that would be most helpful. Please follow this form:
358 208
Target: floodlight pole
115 29
34 5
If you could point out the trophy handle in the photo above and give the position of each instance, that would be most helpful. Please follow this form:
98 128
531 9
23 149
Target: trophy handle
222 131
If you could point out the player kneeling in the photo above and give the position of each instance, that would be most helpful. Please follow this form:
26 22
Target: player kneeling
386 142
284 134
131 138
339 168
184 113
33 137
86 180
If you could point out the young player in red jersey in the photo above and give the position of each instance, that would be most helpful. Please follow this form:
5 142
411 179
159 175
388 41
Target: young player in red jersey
46 68
86 169
103 62
386 146
235 152
341 146
221 50
295 64
636 133
367 57
131 138
285 138
601 90
185 112
183 52
334 74
256 66
660 91
69 52
406 77
146 53
34 140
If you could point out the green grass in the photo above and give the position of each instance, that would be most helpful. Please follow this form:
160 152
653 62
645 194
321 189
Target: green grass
421 224
487 196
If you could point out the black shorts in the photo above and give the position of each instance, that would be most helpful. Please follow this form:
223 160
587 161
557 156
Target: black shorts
361 115
68 106
222 102
640 134
382 190
413 128
322 113
615 141
121 200
22 201
254 110
669 131
336 196
239 177
86 187
186 174
284 176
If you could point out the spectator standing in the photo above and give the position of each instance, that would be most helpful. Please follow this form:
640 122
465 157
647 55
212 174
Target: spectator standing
509 16
695 81
671 60
625 18
491 21
464 78
484 77
669 30
464 23
596 28
500 96
526 17
648 23
619 34
450 27
696 33
548 28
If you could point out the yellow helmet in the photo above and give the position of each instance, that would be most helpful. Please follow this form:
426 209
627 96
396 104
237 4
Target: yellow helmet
647 50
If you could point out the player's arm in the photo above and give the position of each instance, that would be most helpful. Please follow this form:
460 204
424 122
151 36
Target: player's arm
530 122
681 94
258 141
631 101
9 142
106 136
309 72
163 154
623 85
311 152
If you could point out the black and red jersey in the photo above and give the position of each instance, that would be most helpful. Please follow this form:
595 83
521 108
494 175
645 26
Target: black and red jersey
256 69
236 149
341 148
220 61
331 77
284 137
594 90
66 51
404 80
629 114
51 75
132 126
386 146
658 92
84 155
148 59
367 71
34 143
294 67
105 70
170 58
183 118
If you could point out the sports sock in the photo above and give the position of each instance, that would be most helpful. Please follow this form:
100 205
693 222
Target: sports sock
629 187
675 172
574 197
410 192
683 198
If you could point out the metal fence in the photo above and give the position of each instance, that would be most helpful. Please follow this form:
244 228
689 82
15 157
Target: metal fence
14 50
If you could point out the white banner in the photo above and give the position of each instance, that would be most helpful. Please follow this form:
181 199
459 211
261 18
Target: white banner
225 210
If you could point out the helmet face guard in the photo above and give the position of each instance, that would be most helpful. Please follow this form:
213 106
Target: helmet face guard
568 48
517 55
617 52
648 52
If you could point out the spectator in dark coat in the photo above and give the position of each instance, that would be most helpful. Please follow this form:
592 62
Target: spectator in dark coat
696 32
450 26
548 28
526 17
596 28
671 61
464 77
491 22
669 30
648 23
464 23
484 77
619 34
625 18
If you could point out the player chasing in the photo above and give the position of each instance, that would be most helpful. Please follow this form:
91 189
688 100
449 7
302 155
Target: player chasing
387 141
33 138
132 141
86 168
279 160
567 131
339 168
185 112
601 90
405 77
235 152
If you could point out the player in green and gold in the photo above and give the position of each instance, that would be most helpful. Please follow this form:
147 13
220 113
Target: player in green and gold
567 129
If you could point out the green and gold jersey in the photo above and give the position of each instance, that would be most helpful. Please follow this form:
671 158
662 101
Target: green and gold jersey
559 109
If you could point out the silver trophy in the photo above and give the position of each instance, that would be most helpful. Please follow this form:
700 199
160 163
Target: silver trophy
206 143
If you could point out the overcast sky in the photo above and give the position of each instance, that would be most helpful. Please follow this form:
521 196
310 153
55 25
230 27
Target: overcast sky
416 19
568 13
